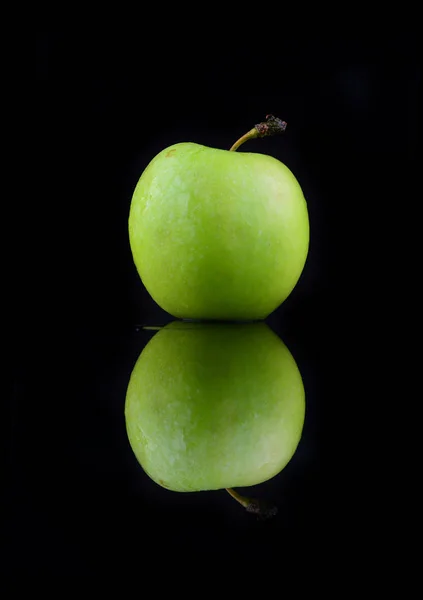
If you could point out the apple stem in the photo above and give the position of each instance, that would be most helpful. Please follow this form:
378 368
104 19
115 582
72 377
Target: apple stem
259 507
241 499
272 126
253 133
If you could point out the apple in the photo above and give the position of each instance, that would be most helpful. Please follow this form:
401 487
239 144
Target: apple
214 406
217 234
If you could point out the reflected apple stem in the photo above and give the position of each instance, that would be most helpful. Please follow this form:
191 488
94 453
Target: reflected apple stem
259 507
272 126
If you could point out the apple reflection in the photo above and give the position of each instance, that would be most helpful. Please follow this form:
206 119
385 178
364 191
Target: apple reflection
214 406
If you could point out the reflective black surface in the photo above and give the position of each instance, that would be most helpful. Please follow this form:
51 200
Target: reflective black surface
80 504
82 500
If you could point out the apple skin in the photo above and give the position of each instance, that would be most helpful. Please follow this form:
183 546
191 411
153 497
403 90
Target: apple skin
213 406
216 234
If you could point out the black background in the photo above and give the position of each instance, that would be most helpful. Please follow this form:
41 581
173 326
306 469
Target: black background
107 102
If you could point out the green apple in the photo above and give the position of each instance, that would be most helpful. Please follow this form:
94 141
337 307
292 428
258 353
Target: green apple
214 406
217 234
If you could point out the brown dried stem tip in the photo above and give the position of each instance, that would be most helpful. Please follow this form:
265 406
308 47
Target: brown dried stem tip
272 126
